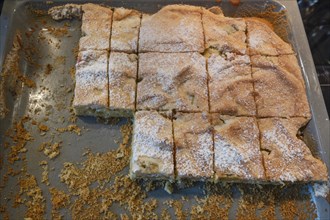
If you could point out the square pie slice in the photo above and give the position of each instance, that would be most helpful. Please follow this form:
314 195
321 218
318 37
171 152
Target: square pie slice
95 28
262 40
279 87
175 28
122 83
168 81
152 146
125 30
91 90
286 157
231 85
223 33
237 155
194 146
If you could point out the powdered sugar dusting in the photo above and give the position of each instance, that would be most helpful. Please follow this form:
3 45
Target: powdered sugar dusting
152 142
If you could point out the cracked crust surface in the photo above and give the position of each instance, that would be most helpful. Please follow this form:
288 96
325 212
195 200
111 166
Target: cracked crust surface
287 158
237 154
279 87
169 81
152 146
194 146
175 28
230 85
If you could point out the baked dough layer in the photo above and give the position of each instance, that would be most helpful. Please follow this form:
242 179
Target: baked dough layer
152 146
193 146
174 28
168 81
286 157
237 154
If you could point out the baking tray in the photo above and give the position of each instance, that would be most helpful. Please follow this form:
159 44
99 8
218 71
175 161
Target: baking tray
54 102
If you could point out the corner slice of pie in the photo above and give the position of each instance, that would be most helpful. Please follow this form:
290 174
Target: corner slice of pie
237 155
125 30
279 87
231 85
194 146
122 83
172 81
262 40
95 28
91 90
286 157
152 146
174 28
223 33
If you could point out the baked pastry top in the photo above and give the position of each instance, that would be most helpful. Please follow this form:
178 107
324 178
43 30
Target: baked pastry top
286 157
279 87
125 30
193 146
168 81
237 154
223 33
174 28
231 85
262 40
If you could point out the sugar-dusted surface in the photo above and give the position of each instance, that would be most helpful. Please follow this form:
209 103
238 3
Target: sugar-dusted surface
125 30
122 81
262 40
230 85
280 91
95 28
169 81
91 90
287 158
194 146
152 147
237 154
223 33
175 28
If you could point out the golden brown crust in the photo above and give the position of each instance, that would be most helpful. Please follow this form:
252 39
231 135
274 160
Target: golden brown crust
194 146
279 87
175 28
223 33
231 85
94 11
169 81
262 40
286 157
237 154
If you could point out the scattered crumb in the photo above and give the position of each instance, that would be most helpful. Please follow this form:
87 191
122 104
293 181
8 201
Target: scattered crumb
43 128
50 150
71 128
44 175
